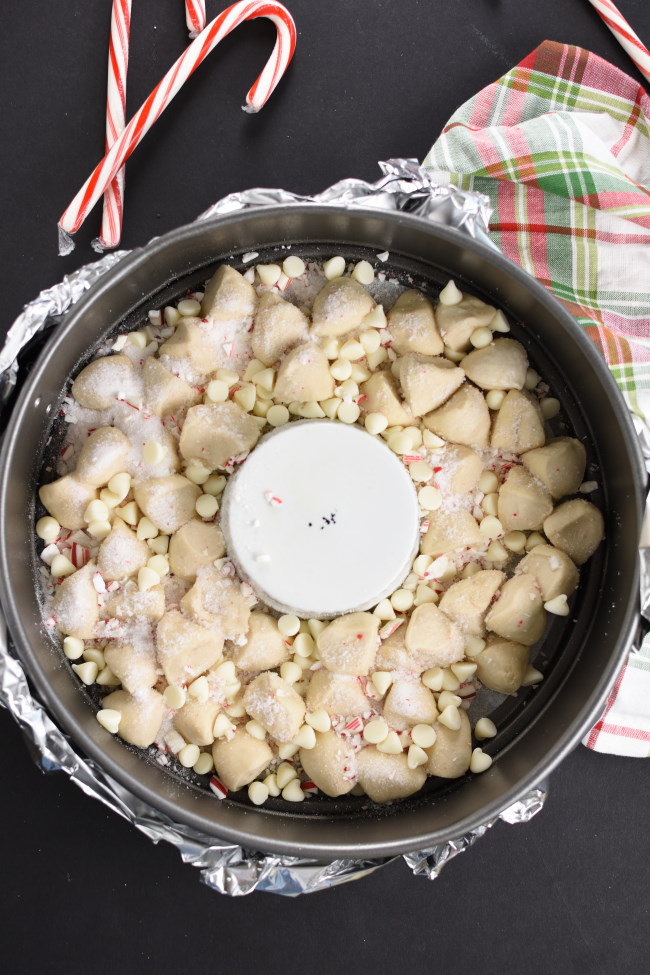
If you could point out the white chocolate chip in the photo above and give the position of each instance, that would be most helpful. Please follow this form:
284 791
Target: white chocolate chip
491 527
159 564
277 415
433 678
188 755
532 676
331 406
381 681
334 268
303 645
480 761
534 539
375 423
199 689
425 594
550 407
258 793
449 680
206 506
147 579
153 452
245 396
481 337
352 349
99 529
189 307
61 566
402 600
110 719
96 511
175 697
217 391
319 720
255 730
306 737
484 728
96 656
420 471
215 484
223 726
86 672
463 670
197 473
423 735
494 398
450 718
363 272
558 606
146 529
293 791
271 783
391 745
450 294
204 764
290 672
293 266
47 528
341 369
269 274
73 647
499 322
515 541
227 376
416 756
348 412
430 498
375 731
289 625
285 773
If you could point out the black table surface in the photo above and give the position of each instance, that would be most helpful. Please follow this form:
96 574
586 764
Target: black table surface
372 79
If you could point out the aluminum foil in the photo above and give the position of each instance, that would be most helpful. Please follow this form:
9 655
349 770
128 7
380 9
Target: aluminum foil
228 868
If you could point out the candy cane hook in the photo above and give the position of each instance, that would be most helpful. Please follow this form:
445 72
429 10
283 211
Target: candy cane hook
624 34
195 16
118 63
169 86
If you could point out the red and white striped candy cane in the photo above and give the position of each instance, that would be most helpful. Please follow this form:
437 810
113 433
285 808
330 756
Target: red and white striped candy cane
624 35
171 83
195 16
118 63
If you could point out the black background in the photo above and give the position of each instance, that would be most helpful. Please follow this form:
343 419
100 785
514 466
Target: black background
82 890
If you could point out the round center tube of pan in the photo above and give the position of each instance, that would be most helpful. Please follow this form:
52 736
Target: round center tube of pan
322 519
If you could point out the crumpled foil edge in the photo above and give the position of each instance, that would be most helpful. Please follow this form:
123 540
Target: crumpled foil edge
225 867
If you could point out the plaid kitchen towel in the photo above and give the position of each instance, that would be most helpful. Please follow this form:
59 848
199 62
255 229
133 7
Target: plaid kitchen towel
561 146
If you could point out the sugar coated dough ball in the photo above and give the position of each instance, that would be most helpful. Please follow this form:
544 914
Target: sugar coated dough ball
141 716
130 604
228 297
577 528
135 667
279 326
381 395
450 754
524 502
427 383
304 376
463 419
552 569
241 759
457 322
451 531
189 352
217 602
330 764
193 546
408 703
462 468
412 325
103 454
265 647
518 614
336 694
167 501
501 365
66 499
340 307
165 393
394 655
349 643
186 649
195 721
433 637
502 665
99 384
559 465
519 424
275 705
214 433
122 553
387 777
467 601
75 607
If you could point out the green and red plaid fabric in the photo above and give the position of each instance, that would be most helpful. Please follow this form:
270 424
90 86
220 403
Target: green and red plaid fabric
561 146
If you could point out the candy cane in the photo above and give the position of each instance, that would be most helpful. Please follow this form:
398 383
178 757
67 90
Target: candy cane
118 62
624 34
171 83
195 16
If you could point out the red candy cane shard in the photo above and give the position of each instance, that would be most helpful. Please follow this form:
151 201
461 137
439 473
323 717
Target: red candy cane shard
218 787
195 16
118 63
169 86
624 34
